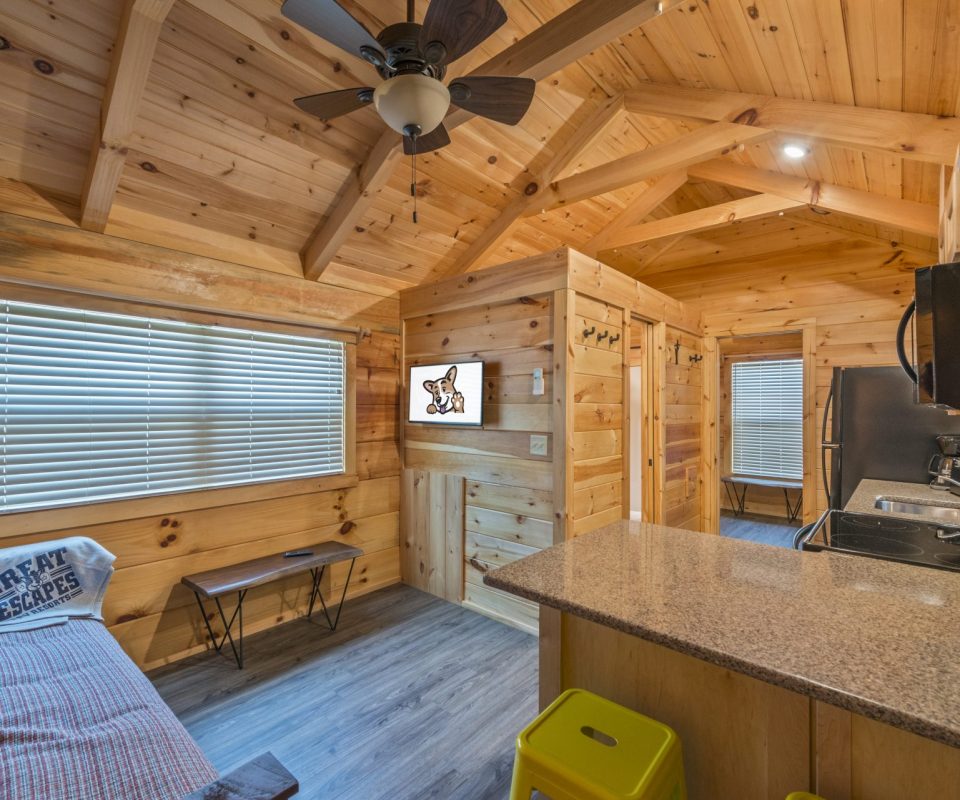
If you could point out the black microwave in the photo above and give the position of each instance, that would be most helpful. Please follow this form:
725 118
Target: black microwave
936 336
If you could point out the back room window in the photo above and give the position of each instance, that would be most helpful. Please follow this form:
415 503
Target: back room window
767 418
99 406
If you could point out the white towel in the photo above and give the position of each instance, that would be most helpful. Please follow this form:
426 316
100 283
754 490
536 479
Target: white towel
48 583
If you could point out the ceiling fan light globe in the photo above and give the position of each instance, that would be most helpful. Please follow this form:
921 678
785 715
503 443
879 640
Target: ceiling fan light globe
412 100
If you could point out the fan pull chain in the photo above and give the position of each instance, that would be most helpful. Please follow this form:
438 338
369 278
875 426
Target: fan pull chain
413 184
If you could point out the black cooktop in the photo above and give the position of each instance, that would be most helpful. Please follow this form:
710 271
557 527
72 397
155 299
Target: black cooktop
929 544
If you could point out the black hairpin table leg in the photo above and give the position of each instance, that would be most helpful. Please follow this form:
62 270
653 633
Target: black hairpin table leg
793 511
316 593
237 616
738 503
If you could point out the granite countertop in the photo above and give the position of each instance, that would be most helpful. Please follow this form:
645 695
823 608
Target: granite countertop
875 637
864 498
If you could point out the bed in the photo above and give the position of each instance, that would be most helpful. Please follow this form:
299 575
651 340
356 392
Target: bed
78 720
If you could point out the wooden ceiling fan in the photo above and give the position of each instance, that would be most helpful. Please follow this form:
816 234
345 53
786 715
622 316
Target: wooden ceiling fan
412 59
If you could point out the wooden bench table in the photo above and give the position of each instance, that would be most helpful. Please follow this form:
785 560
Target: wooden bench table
242 577
738 499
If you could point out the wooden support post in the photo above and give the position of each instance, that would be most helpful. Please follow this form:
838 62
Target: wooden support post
710 437
659 372
810 447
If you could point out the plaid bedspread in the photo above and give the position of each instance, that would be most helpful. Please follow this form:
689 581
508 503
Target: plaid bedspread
79 721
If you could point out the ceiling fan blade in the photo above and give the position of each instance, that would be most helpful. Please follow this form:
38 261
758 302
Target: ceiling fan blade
428 142
330 21
335 104
503 100
452 28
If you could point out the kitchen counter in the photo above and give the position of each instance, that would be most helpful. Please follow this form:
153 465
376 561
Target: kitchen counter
863 500
876 638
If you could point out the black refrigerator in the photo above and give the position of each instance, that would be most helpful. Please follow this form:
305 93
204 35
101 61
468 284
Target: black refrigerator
878 430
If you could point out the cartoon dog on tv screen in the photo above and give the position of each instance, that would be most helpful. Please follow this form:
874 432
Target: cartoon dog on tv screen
446 398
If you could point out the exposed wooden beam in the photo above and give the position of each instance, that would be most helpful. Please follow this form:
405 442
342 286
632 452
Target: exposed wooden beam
566 151
700 145
636 211
905 214
569 36
921 137
133 54
760 205
355 197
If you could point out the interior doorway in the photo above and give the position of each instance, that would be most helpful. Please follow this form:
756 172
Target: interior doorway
761 436
641 390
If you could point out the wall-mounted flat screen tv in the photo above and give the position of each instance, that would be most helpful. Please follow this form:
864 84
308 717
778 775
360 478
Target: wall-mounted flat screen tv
447 394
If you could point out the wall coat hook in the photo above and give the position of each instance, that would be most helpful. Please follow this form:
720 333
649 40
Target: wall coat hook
695 358
588 332
602 336
614 339
676 352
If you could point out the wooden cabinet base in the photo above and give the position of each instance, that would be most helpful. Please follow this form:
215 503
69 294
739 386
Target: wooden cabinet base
745 738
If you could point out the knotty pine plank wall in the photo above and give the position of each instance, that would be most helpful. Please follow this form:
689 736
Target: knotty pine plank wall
598 396
682 407
853 292
507 500
154 618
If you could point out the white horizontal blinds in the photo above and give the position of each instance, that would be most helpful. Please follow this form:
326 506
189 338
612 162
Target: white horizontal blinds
767 418
98 406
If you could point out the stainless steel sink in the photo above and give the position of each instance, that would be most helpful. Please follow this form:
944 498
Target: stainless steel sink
930 511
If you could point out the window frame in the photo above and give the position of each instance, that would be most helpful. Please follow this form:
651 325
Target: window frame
727 364
93 512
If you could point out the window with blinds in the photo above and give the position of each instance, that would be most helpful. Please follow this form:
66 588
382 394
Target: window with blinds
97 406
767 418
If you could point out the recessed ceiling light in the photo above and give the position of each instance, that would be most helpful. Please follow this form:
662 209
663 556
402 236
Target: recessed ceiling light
794 151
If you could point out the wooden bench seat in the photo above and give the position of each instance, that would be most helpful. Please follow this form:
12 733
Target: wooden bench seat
240 578
739 499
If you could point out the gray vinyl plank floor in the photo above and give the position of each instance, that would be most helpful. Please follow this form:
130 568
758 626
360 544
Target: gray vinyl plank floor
411 697
755 528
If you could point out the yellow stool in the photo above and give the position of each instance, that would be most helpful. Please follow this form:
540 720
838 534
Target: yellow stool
583 747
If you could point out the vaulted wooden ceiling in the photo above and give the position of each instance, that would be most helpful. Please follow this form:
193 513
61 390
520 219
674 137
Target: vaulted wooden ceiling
215 159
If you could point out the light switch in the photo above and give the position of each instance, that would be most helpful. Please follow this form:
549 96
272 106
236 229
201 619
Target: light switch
538 381
538 445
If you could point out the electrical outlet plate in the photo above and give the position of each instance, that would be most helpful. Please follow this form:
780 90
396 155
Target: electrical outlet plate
538 445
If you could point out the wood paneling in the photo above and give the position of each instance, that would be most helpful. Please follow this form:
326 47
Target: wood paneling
950 213
682 403
432 546
785 742
506 509
218 162
709 708
576 328
598 456
850 296
157 540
